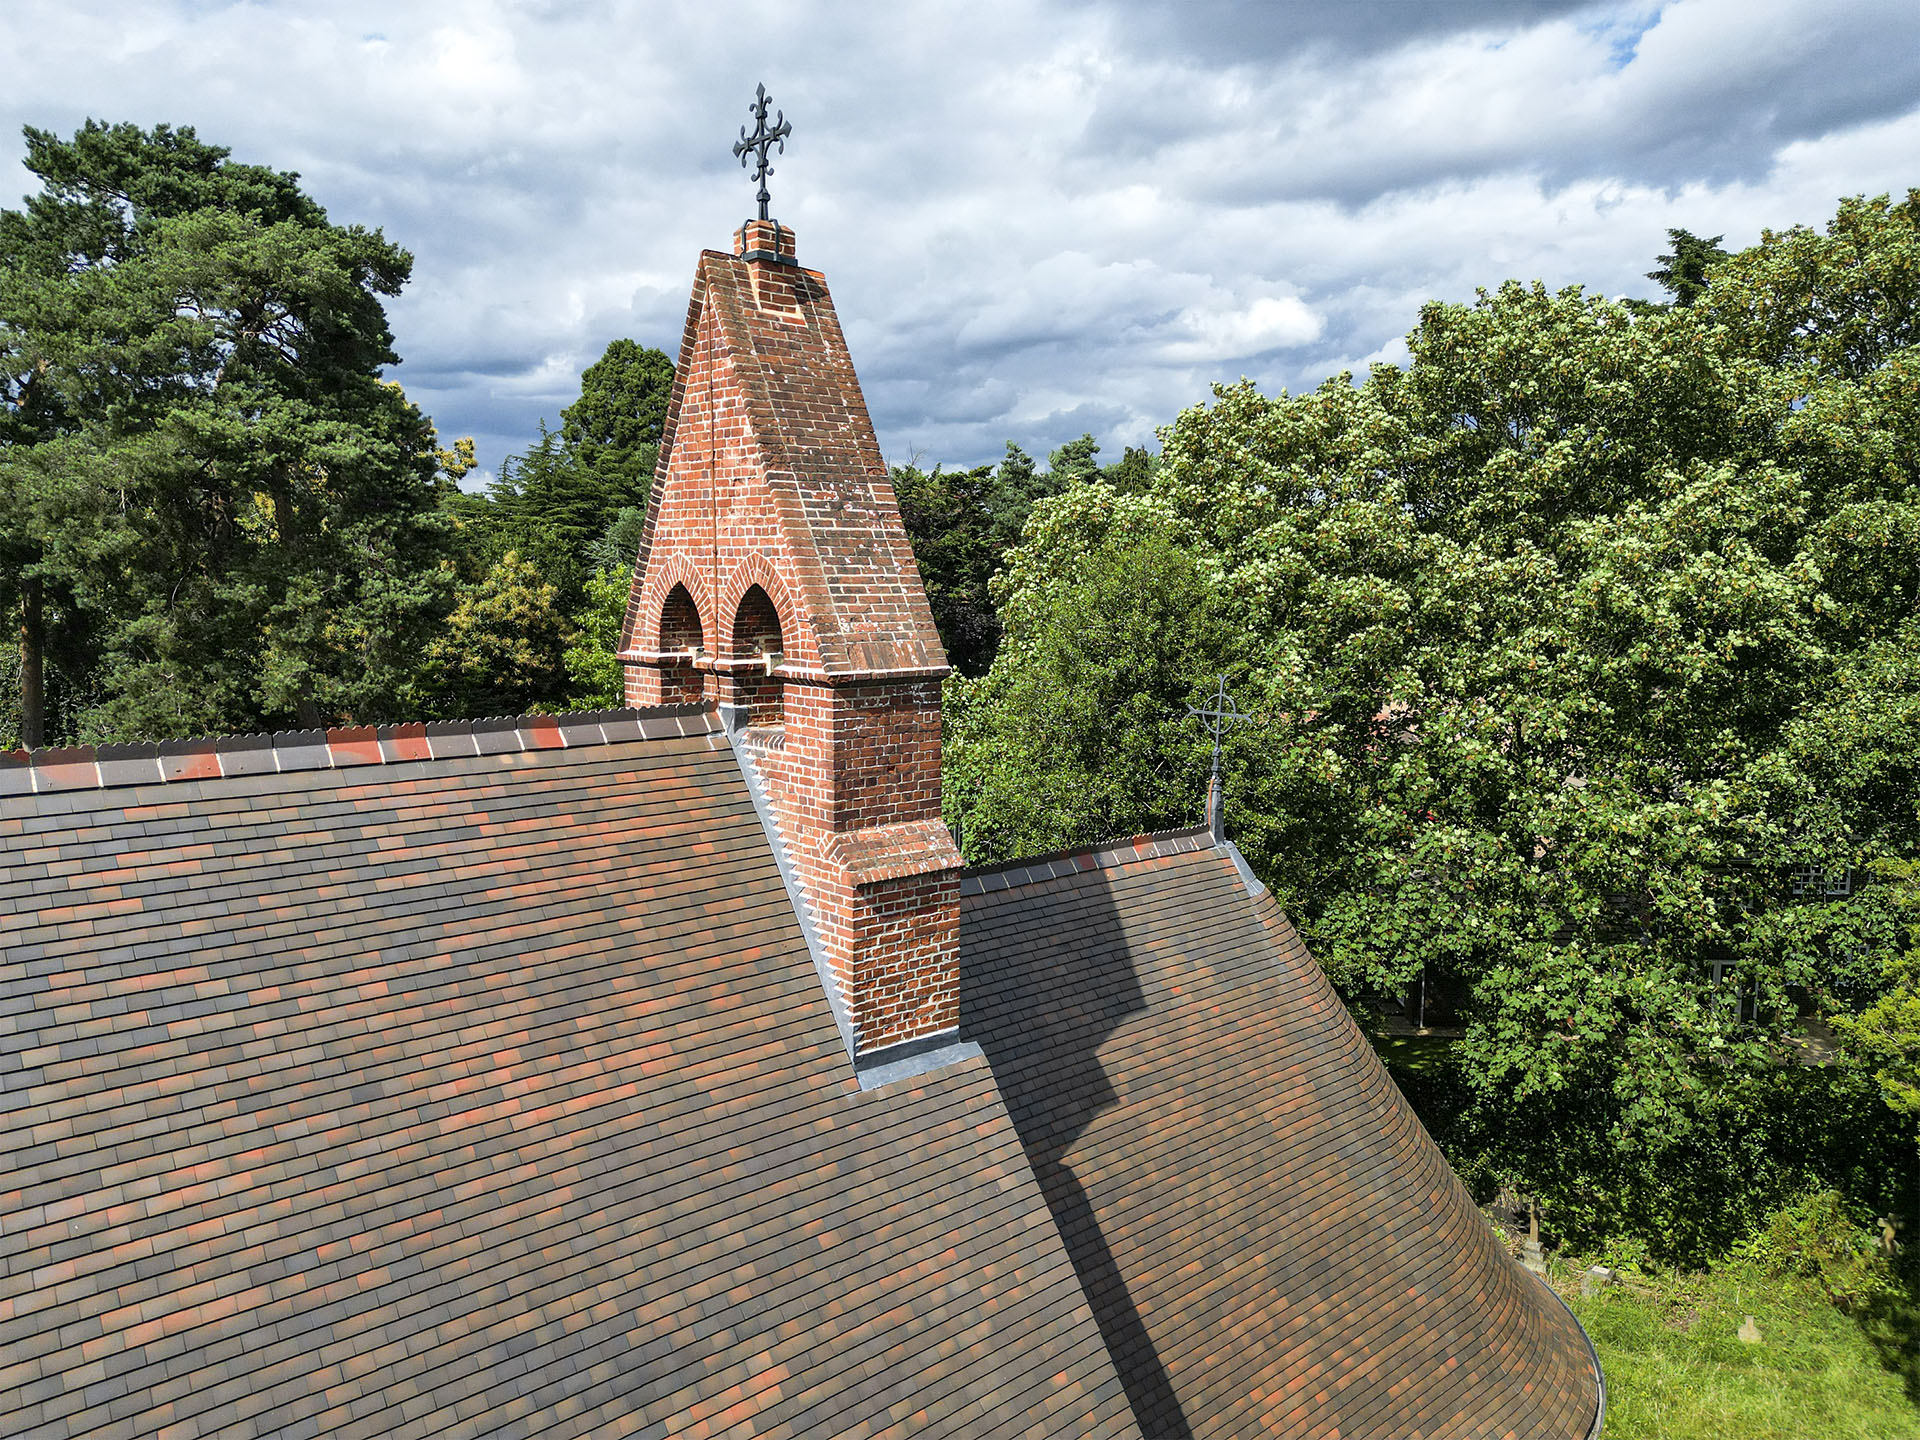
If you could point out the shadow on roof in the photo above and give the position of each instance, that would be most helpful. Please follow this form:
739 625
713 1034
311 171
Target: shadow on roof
1047 1063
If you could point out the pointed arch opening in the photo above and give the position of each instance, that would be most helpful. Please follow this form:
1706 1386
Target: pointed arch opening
681 632
759 637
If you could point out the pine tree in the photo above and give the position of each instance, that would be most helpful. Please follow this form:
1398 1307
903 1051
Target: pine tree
218 513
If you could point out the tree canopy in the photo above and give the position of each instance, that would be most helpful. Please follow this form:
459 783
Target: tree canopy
1583 651
613 430
214 511
1683 273
963 523
553 503
559 528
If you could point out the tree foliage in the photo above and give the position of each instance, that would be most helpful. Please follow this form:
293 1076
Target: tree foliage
554 502
592 660
963 523
1582 650
613 430
568 511
1887 1032
214 512
500 652
1683 274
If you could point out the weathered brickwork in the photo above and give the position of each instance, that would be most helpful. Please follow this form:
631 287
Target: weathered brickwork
775 574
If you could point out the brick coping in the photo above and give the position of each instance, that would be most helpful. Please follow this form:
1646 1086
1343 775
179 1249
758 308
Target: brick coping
986 879
102 767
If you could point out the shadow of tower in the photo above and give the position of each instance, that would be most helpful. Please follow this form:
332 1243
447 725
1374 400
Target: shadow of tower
1046 977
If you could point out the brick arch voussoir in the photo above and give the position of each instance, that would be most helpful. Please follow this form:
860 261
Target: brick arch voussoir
675 570
756 569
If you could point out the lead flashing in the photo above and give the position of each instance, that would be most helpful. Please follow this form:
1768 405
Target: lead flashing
1247 877
733 722
933 1052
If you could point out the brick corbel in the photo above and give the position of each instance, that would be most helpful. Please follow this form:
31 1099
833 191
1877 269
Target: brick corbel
890 852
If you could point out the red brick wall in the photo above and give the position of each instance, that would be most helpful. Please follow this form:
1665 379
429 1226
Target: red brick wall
855 758
856 746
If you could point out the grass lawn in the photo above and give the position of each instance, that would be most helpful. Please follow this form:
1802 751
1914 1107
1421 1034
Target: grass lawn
1413 1054
1677 1370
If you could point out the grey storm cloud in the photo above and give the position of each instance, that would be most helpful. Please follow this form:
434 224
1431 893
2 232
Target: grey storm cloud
1037 218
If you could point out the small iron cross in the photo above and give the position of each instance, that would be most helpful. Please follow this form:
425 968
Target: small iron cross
757 143
1221 715
1218 718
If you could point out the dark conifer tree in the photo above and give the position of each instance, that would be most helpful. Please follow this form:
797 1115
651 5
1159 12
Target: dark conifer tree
214 510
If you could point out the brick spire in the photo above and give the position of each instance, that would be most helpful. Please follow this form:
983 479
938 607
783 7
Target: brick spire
775 575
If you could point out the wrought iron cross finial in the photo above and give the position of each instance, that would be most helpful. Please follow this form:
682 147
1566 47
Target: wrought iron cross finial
1218 718
757 143
1222 714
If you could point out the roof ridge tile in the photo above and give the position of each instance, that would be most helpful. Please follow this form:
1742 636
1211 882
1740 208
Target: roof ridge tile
339 747
1153 845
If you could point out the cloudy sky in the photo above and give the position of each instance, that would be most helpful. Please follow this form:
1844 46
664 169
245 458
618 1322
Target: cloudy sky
1038 217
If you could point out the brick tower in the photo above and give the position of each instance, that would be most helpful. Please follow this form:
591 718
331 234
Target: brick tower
775 576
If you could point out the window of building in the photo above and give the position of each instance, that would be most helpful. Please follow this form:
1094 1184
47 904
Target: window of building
1819 883
682 633
758 636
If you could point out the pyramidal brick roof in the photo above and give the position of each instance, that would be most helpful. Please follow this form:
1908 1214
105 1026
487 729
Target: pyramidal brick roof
763 352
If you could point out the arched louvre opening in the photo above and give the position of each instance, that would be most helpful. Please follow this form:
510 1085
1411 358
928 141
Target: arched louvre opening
758 636
682 632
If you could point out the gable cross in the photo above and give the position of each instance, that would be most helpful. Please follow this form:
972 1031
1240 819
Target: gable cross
757 143
1218 716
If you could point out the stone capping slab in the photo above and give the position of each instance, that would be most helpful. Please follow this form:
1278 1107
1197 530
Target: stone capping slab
1011 873
107 767
838 675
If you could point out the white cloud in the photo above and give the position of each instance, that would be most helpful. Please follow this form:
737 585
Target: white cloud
1242 330
1037 217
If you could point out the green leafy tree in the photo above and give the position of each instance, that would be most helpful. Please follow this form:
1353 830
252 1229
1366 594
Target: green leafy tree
964 523
1571 645
556 504
503 648
949 519
618 549
1839 303
215 512
1018 485
613 430
592 660
1079 730
1683 273
1887 1032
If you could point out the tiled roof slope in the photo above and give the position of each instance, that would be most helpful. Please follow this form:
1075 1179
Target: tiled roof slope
1271 1243
485 1095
